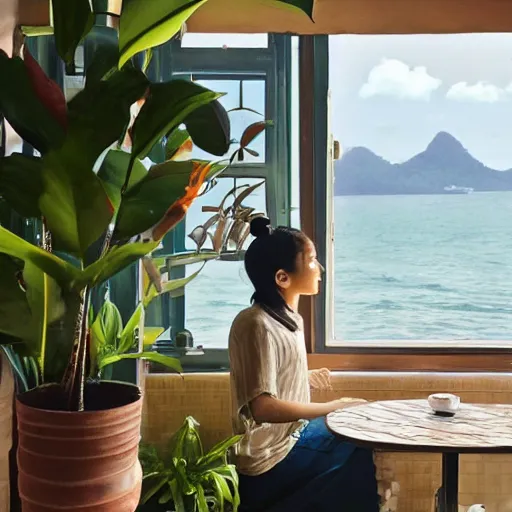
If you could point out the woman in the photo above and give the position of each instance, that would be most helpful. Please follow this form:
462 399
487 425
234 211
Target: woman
285 462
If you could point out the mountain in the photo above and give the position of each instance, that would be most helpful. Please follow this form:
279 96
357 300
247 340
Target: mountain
444 164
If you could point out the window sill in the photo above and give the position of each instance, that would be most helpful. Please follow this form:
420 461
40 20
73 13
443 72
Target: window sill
426 346
420 360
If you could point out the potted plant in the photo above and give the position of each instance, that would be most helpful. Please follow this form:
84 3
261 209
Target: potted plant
100 211
187 478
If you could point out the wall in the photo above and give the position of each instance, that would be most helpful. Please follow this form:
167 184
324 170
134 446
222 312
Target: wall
483 478
8 9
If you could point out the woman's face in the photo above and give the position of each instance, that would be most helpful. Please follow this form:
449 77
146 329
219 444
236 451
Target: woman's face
305 280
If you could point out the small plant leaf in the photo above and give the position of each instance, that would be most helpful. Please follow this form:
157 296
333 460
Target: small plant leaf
151 334
252 131
151 486
219 451
199 236
202 505
190 258
127 336
186 442
170 286
169 362
177 496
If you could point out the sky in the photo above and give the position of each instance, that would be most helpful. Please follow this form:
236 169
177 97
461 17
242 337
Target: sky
392 94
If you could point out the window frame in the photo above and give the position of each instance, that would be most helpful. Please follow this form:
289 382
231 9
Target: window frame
272 64
316 199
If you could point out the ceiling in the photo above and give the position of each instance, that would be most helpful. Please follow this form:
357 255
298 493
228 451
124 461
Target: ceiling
333 16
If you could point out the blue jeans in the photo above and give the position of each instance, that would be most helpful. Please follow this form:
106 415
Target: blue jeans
321 473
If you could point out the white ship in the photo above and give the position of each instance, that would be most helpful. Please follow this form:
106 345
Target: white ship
454 189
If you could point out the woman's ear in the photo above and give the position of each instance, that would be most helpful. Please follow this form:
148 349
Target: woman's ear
282 279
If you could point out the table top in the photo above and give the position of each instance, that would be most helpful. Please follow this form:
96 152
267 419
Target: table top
411 425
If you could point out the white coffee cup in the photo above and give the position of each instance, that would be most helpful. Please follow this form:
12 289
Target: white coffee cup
444 403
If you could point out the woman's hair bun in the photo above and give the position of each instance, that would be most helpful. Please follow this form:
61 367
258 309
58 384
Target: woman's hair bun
260 226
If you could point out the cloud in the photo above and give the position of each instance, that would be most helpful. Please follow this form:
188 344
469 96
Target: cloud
482 92
392 77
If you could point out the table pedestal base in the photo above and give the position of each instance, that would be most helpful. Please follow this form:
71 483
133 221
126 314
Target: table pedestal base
448 496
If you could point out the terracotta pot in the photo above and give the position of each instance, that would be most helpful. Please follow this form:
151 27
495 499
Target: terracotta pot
6 407
80 461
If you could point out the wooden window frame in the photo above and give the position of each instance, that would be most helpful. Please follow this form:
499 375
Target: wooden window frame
411 356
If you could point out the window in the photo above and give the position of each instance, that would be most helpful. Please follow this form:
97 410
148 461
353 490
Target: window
421 200
222 289
254 73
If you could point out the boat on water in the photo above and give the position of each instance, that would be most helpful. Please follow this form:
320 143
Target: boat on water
454 189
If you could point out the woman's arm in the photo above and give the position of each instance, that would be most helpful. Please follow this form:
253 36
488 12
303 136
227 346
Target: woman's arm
267 409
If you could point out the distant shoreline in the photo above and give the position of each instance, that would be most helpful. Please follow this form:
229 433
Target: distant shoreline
424 193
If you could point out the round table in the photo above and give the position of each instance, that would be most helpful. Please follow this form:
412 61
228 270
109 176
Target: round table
411 425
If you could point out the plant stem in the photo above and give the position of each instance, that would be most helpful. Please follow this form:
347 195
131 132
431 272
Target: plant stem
74 378
73 381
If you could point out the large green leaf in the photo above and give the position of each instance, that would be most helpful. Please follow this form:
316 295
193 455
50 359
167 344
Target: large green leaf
23 110
15 315
112 174
72 20
21 184
28 316
219 451
60 337
146 203
168 105
168 362
146 24
74 202
47 305
116 259
303 5
101 52
64 273
100 113
210 128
